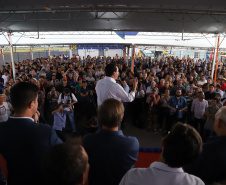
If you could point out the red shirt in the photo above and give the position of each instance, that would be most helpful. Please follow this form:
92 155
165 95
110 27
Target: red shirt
159 86
223 87
152 100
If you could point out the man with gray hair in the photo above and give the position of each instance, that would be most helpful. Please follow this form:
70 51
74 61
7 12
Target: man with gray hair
198 109
179 85
211 166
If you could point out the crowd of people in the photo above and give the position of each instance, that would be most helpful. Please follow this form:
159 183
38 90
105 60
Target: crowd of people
157 94
167 87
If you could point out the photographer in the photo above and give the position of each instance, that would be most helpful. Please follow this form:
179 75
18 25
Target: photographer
177 104
59 122
68 99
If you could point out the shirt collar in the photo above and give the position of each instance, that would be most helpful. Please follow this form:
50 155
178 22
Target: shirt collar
110 132
22 118
110 79
165 167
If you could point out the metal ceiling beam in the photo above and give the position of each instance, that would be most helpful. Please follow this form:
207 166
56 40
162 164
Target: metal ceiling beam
115 9
121 44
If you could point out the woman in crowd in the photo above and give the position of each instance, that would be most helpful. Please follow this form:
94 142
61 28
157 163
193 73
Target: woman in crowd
164 111
154 102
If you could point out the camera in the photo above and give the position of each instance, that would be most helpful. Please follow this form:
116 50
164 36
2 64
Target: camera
65 106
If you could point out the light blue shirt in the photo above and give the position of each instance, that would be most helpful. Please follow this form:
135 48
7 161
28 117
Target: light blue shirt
126 88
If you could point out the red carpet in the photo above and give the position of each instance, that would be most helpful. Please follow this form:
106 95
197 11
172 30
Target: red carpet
146 158
3 166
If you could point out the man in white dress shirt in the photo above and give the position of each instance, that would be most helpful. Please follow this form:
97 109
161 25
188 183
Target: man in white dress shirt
182 146
108 88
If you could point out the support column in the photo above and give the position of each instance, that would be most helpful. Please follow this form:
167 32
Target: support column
11 54
124 53
127 54
2 56
49 51
214 58
31 53
133 58
218 42
70 53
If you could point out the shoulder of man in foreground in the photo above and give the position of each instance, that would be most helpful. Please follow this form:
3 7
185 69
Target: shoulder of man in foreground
45 133
127 143
137 176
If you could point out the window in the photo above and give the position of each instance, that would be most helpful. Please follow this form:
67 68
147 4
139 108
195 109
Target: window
196 55
101 52
75 52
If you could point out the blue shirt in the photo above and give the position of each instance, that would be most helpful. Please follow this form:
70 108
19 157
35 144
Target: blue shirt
178 104
1 88
111 155
126 88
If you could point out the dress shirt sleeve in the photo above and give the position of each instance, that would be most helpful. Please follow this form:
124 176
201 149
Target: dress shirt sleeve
59 100
207 104
120 93
73 97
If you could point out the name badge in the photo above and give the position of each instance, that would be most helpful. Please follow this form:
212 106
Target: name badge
176 106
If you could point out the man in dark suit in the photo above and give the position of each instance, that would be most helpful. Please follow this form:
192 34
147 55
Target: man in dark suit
23 141
111 154
211 165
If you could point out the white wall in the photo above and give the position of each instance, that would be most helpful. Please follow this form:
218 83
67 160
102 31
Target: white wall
95 52
113 52
85 52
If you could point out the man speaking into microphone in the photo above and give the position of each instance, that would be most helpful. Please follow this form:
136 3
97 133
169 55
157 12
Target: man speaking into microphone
108 88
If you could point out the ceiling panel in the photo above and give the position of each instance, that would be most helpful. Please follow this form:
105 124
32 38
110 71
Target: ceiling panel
206 16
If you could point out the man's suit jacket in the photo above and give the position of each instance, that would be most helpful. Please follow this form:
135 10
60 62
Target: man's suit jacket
23 144
211 165
111 155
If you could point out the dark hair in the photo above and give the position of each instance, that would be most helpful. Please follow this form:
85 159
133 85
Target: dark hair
110 69
216 99
67 91
178 88
218 85
64 164
110 113
22 94
211 85
182 146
